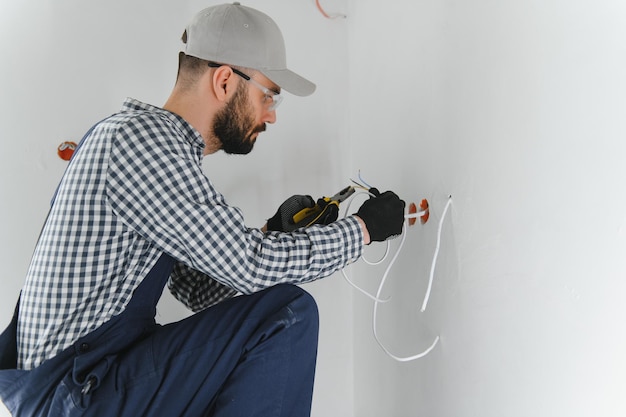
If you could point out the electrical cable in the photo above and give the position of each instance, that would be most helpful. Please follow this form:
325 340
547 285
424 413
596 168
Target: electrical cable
415 215
377 298
363 181
382 283
432 266
368 295
343 272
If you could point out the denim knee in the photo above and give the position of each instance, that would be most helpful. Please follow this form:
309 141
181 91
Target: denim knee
302 306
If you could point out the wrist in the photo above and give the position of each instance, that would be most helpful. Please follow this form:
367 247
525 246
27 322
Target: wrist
366 234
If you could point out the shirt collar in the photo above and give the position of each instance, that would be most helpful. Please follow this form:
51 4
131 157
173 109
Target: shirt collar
188 131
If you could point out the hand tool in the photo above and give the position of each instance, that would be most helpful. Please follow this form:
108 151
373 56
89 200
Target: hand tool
322 209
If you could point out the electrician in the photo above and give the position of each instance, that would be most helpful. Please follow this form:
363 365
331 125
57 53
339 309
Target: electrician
134 213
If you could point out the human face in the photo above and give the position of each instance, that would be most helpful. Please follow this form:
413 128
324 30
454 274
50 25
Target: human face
235 125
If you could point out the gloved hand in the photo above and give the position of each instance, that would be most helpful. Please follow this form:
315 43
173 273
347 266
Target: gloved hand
282 221
383 215
329 213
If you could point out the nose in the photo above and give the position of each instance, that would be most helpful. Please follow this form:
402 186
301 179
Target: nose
270 116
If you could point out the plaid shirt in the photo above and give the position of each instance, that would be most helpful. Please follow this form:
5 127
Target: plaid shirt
134 190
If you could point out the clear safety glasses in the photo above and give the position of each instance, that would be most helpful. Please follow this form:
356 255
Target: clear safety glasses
271 98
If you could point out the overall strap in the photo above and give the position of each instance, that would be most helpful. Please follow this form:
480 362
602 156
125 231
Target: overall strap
8 342
8 338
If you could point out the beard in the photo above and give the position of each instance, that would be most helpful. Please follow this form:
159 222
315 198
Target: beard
234 125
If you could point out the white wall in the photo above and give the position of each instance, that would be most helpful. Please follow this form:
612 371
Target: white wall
518 110
68 63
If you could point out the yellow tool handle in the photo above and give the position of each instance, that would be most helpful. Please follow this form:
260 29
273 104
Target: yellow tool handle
310 212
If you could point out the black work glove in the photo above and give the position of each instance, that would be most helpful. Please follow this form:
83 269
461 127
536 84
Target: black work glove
383 215
282 221
328 214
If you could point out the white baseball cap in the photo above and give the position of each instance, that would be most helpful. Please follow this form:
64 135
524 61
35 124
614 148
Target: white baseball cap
241 36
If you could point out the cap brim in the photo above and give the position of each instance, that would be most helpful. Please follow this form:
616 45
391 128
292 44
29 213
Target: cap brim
290 81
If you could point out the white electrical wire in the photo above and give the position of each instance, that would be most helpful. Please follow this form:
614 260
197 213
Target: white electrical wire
384 257
415 215
343 272
432 265
380 288
368 295
377 298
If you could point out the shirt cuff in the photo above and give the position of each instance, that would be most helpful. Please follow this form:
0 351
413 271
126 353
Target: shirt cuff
352 233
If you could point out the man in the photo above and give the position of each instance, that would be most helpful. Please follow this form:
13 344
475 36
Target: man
134 211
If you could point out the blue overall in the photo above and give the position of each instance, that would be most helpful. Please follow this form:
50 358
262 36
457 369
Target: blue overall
247 356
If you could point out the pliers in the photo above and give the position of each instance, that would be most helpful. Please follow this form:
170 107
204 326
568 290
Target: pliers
325 211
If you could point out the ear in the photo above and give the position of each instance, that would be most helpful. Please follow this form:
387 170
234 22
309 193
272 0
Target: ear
223 82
